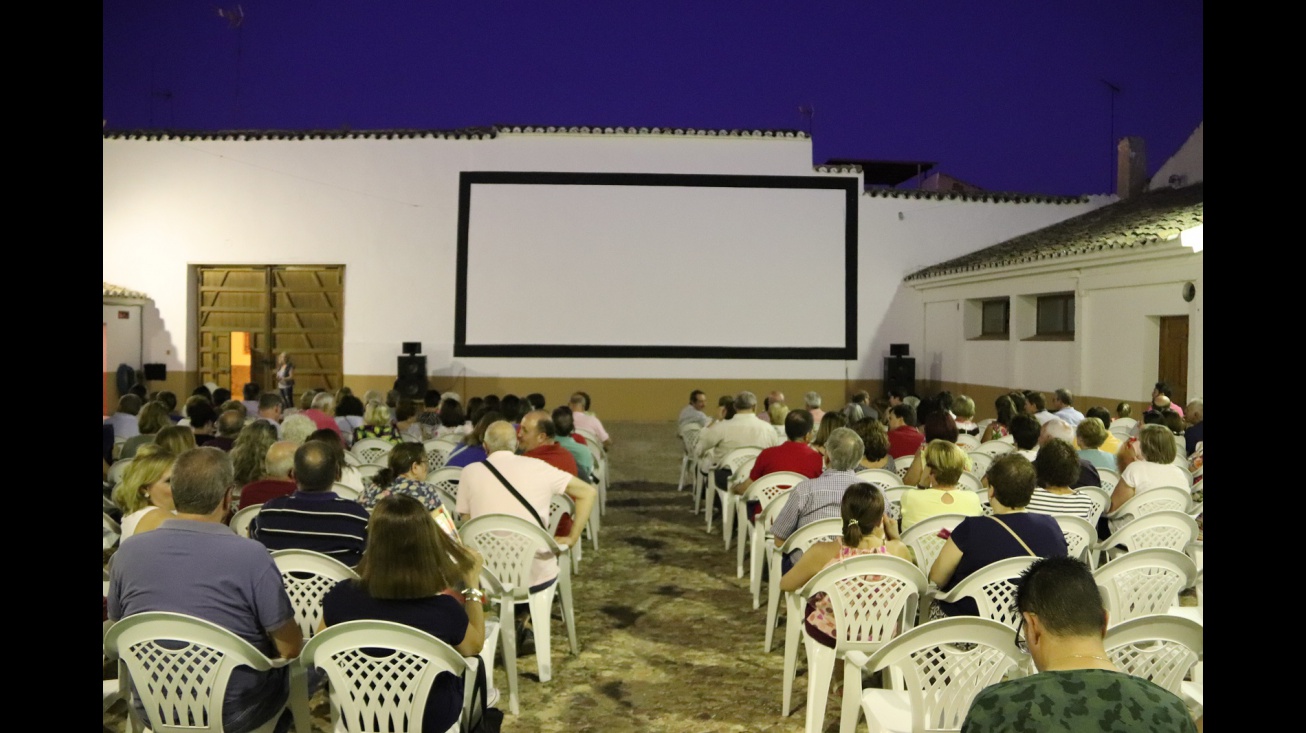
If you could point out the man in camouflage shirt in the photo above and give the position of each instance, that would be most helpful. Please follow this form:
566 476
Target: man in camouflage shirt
1077 689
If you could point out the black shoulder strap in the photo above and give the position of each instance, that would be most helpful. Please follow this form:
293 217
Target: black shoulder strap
515 493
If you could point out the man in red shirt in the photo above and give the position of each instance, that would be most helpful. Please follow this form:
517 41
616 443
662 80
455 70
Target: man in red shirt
792 455
904 438
536 438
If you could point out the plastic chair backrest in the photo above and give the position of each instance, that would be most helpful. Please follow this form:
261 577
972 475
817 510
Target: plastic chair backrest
446 481
508 545
902 465
174 683
1159 529
967 442
1161 648
871 598
893 500
767 487
971 482
352 460
689 436
994 448
735 459
982 462
1144 582
372 450
117 470
770 510
437 452
1158 499
881 477
559 504
1080 535
944 665
809 534
1109 477
241 520
589 436
376 690
344 491
1101 500
993 588
368 470
924 540
307 576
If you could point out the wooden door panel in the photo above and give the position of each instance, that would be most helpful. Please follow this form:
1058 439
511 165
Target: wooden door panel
1172 365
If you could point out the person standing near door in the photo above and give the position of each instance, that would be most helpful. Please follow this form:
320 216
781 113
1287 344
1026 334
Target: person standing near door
286 379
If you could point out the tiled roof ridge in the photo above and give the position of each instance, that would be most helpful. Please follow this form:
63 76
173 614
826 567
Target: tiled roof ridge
994 196
1135 222
118 291
468 133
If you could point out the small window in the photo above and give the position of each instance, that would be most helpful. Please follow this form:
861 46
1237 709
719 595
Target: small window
1056 315
996 319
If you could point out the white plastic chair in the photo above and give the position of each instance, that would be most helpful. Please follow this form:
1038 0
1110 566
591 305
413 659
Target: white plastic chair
508 545
893 501
1101 500
1144 582
308 576
943 665
445 481
560 504
881 477
600 472
763 545
967 442
1161 648
352 460
1170 529
994 448
368 470
732 460
730 501
437 452
924 540
345 491
1080 535
873 598
1109 478
1160 498
372 450
117 470
902 465
971 482
112 531
802 538
688 437
175 684
381 674
982 462
241 520
763 490
993 588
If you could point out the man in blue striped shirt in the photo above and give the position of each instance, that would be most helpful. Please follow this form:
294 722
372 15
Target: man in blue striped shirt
819 498
314 517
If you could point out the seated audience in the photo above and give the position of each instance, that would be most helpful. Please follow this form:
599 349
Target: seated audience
251 393
376 425
349 416
453 421
1036 405
1110 444
562 423
511 408
1193 434
322 413
858 407
271 410
471 449
585 420
169 399
812 402
792 455
1011 531
276 480
1058 429
251 450
939 425
406 423
831 422
904 439
1063 407
776 413
742 430
536 437
152 418
194 564
536 401
1089 436
296 428
229 425
1145 463
937 491
429 415
1077 688
124 420
819 498
416 575
1057 467
1025 431
176 439
875 438
963 408
406 473
1162 396
692 414
313 517
1124 409
146 487
1001 425
866 531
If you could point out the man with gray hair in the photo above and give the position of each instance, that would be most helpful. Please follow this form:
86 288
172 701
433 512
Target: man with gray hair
276 480
230 423
1062 401
194 564
742 430
314 517
812 400
820 498
322 412
1058 429
1193 435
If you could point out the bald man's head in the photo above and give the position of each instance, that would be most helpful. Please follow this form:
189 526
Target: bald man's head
280 459
501 435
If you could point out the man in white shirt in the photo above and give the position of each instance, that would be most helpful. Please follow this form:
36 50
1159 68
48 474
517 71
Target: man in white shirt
693 412
1036 406
744 429
1062 400
585 421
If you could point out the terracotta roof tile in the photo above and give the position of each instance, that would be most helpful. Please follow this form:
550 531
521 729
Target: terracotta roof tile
118 291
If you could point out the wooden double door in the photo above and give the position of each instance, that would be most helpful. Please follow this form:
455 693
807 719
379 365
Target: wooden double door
249 314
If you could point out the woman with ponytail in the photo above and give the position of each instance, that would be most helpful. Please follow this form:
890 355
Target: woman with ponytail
865 531
406 473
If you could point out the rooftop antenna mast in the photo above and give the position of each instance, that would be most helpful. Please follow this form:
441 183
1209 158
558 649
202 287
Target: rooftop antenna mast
1111 169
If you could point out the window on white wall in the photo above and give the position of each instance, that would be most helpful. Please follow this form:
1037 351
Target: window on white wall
1056 316
988 319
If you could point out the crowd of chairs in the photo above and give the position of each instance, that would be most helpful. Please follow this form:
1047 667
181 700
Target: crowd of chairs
932 665
179 661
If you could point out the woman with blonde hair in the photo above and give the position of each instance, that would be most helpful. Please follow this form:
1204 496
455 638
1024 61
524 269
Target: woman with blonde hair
376 424
414 574
1146 462
152 418
146 486
865 532
937 492
250 451
176 439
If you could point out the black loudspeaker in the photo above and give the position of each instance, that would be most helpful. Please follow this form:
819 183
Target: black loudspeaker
900 372
412 348
899 350
155 372
412 377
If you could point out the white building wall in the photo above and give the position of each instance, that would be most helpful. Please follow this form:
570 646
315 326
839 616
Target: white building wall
387 208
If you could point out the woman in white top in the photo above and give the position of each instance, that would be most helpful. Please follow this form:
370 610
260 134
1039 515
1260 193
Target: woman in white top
146 488
1146 462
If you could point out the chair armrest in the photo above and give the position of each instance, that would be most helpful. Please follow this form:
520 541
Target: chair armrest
856 659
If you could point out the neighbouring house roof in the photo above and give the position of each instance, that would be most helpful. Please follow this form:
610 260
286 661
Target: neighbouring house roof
1139 221
118 291
996 197
464 133
885 172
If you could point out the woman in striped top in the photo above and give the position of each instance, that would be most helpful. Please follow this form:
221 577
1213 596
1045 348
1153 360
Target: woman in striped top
1057 465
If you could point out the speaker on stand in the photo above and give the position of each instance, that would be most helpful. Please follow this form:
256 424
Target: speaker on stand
900 369
412 382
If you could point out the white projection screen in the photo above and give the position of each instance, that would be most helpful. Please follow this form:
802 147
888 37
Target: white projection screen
655 266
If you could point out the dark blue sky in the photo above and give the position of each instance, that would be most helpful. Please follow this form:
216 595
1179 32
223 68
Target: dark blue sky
1008 95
